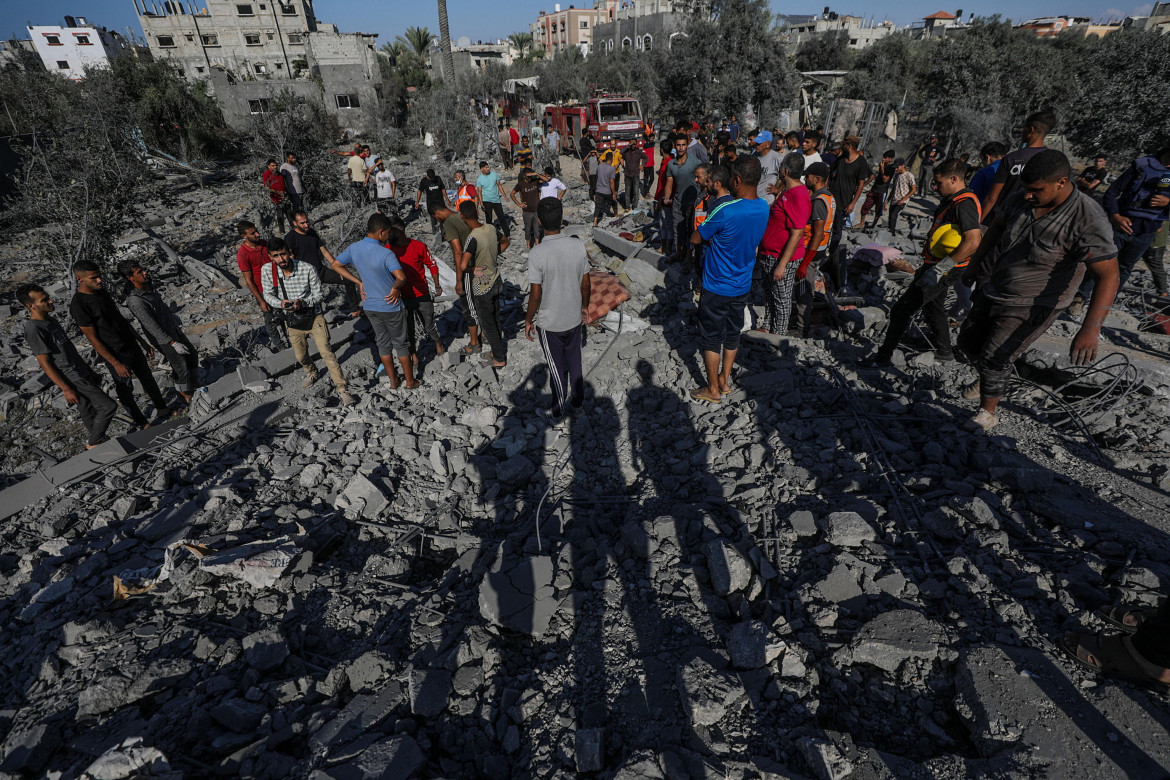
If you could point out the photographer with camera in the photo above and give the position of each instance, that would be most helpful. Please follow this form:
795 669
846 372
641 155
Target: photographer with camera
293 290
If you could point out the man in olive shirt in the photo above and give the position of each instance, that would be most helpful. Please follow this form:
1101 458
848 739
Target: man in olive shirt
1027 268
455 233
478 276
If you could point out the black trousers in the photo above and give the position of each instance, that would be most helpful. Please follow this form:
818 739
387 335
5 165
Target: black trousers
487 311
500 221
136 362
184 368
352 296
277 339
647 180
895 210
95 407
631 192
562 350
1152 639
993 336
932 301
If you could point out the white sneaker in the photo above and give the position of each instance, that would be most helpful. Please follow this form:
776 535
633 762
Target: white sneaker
983 421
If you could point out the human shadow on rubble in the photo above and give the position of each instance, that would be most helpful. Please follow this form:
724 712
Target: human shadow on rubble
915 467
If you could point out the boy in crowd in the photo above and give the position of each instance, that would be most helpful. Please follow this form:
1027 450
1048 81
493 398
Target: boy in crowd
162 327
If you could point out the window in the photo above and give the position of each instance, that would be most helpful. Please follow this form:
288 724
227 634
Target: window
252 39
199 68
62 65
244 9
211 39
258 106
625 43
190 38
616 111
294 37
260 67
83 40
646 41
348 101
53 40
166 41
288 9
271 36
280 66
852 41
584 24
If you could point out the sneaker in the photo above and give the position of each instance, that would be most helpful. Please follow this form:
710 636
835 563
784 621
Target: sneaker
310 379
971 391
982 421
874 361
346 398
1074 309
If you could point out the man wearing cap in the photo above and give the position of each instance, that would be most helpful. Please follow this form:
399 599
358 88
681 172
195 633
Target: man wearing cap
769 165
958 211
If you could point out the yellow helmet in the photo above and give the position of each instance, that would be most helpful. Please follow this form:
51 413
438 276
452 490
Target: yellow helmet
945 239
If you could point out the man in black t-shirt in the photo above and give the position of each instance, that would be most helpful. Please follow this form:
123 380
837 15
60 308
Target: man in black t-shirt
1007 177
307 247
115 340
1092 179
62 364
959 209
432 187
849 172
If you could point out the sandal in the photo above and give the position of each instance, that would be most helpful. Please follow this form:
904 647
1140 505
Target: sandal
1117 614
701 394
1114 656
471 349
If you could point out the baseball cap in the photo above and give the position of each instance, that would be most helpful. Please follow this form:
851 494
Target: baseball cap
899 161
763 137
817 169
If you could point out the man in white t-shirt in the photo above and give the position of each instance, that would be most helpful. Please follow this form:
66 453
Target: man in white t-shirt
552 187
812 139
386 187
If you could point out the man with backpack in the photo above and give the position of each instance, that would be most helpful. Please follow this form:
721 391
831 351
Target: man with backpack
1137 204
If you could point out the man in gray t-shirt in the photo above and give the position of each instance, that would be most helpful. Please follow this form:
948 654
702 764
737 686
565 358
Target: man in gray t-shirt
769 165
558 272
63 365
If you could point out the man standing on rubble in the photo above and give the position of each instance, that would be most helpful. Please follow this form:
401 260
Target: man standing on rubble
732 232
63 364
115 340
488 198
478 275
251 257
680 195
1027 268
162 327
1007 177
632 164
382 280
307 247
455 233
293 184
957 211
431 186
558 272
277 194
294 289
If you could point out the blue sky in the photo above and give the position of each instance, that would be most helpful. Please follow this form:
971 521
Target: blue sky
484 19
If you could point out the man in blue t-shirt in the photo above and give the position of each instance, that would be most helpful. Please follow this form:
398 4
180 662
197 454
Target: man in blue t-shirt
732 232
487 196
381 283
992 152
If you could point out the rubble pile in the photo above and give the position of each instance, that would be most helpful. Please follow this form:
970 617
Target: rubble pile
822 576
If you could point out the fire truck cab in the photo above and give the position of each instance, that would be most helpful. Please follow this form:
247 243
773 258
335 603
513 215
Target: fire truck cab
606 118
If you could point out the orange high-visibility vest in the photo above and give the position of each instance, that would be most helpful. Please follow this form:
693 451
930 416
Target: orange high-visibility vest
462 195
701 212
831 214
942 218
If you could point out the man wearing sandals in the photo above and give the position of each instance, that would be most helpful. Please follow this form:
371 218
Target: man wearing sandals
733 231
478 275
1140 655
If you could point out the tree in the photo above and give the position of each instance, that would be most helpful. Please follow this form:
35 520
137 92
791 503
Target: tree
1120 95
445 43
891 69
418 39
523 42
173 114
562 76
828 50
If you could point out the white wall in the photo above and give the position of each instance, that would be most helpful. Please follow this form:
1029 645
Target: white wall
76 55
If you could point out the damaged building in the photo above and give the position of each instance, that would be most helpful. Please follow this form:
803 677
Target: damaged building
251 53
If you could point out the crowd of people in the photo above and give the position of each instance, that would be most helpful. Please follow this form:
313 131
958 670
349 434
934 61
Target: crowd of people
1021 240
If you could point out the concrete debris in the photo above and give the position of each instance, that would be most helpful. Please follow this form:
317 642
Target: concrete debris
821 576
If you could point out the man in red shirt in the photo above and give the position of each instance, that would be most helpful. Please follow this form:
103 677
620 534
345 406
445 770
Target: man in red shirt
274 181
416 260
251 257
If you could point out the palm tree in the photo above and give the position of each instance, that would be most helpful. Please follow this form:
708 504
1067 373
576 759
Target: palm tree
445 44
523 42
397 51
418 39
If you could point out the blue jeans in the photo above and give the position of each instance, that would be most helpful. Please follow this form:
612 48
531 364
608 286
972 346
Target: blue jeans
1130 248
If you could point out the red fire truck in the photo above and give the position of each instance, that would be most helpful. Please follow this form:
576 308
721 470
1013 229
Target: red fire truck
606 118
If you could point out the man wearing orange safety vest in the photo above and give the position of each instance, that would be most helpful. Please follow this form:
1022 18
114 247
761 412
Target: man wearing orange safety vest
954 236
464 190
817 235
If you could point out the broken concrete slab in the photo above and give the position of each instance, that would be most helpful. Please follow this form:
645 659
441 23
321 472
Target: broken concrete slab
363 496
848 529
893 638
730 569
521 598
753 644
708 690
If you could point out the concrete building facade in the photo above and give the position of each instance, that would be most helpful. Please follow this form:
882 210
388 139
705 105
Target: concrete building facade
251 52
862 32
470 58
70 49
562 29
643 26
